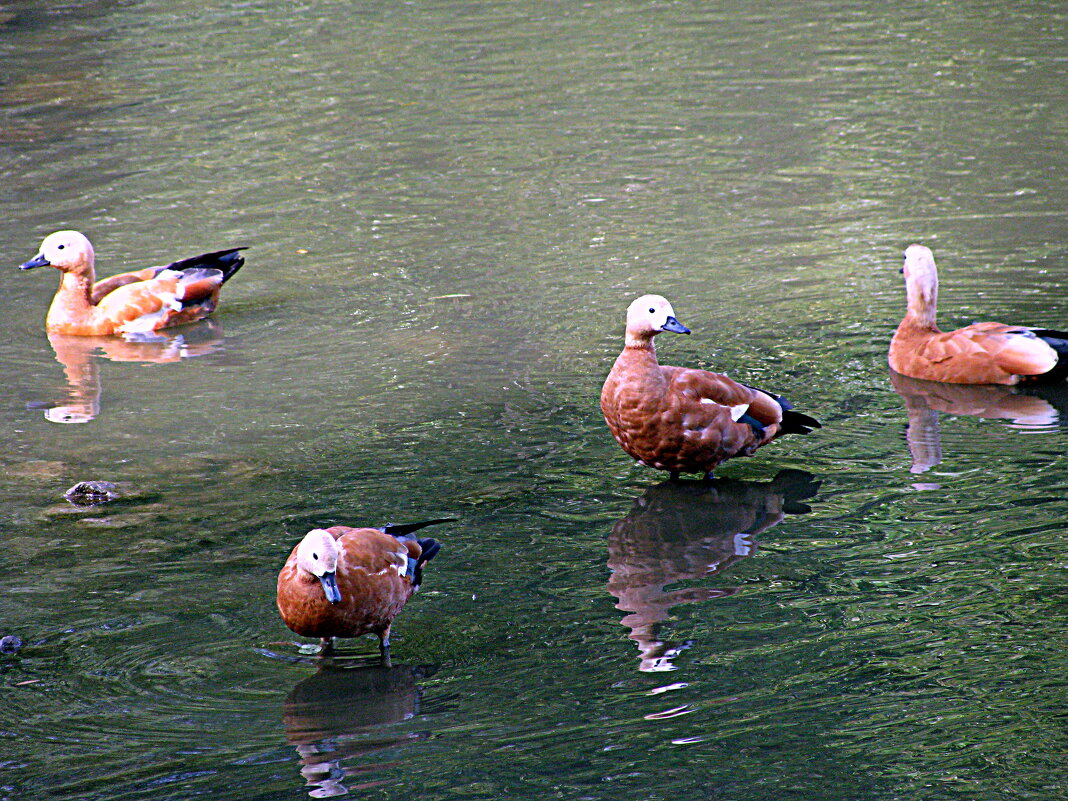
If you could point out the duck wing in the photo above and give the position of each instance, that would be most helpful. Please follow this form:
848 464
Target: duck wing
171 298
1015 349
704 397
226 262
101 289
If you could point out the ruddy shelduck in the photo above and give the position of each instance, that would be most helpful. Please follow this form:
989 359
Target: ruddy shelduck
346 582
133 303
980 353
685 420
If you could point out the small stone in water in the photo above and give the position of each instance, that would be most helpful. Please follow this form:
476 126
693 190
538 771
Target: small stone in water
10 644
91 493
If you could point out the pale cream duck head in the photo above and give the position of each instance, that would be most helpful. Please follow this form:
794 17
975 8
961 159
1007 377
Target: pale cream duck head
317 554
921 282
647 316
67 251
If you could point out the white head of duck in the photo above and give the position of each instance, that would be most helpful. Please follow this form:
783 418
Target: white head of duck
647 316
67 251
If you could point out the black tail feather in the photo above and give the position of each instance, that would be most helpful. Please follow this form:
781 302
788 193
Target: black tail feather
430 548
1058 340
792 422
798 422
400 529
227 262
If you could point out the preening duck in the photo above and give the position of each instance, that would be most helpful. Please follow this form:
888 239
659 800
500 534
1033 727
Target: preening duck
133 303
346 582
685 420
981 353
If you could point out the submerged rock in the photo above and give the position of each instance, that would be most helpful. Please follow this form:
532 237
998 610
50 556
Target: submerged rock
10 643
92 493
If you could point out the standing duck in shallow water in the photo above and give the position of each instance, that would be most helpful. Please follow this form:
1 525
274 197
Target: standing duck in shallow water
981 353
680 419
345 582
134 303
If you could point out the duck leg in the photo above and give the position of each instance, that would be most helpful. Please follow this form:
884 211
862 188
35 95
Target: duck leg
326 646
383 646
674 475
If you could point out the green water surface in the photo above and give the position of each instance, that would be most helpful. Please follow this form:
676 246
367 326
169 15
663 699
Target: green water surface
448 207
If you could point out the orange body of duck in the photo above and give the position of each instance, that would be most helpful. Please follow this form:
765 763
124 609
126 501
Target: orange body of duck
132 303
680 419
981 353
346 582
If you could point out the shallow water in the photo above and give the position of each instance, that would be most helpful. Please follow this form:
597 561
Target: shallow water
448 207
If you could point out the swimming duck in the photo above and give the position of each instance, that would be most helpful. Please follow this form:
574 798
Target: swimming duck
680 419
980 353
134 303
346 582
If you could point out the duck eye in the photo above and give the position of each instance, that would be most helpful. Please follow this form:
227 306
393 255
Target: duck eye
652 311
315 556
61 247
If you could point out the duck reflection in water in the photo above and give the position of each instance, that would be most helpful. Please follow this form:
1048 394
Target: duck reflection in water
341 713
80 357
682 530
1033 407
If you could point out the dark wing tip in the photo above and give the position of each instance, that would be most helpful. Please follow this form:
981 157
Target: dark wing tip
227 262
430 548
400 529
798 422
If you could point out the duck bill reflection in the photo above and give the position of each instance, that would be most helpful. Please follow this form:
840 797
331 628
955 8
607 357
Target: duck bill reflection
329 582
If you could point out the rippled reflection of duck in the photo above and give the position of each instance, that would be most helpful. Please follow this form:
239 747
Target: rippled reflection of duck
333 716
80 357
1031 408
690 530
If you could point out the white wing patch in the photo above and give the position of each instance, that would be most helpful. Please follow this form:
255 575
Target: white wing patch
736 411
146 322
400 567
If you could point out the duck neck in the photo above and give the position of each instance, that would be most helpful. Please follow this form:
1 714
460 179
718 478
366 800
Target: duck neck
922 303
919 322
640 342
73 298
639 356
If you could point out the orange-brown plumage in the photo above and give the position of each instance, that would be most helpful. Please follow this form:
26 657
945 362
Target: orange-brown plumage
346 582
681 419
981 353
135 302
